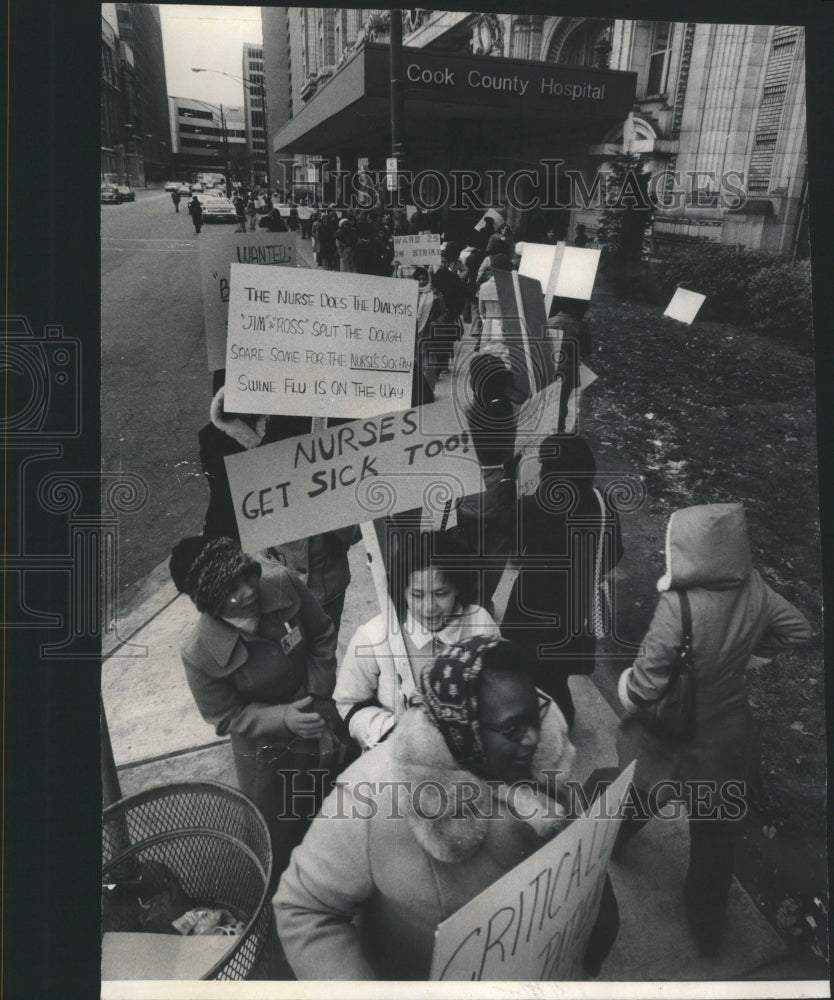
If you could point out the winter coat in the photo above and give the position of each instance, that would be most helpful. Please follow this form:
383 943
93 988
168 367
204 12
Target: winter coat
273 222
195 210
402 872
321 560
241 684
735 616
553 596
372 690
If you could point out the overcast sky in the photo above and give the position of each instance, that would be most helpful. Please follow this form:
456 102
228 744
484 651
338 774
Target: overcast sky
212 37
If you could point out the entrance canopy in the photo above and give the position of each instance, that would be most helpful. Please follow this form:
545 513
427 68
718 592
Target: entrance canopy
517 97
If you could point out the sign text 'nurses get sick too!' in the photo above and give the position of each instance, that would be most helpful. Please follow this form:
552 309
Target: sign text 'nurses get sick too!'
309 344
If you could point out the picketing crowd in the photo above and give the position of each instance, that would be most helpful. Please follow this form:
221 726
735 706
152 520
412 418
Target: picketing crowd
466 701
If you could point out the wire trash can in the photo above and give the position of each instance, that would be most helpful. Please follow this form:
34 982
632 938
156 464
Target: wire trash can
216 843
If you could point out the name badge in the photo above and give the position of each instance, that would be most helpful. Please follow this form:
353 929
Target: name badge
291 639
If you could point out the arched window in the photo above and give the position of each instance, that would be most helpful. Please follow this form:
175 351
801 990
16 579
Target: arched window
582 42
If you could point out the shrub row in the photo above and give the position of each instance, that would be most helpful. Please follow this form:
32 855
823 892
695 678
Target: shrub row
746 287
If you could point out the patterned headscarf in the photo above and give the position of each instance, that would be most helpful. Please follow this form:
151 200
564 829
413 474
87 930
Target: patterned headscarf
450 688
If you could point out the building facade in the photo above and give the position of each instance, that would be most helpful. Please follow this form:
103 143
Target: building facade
715 113
208 138
145 125
255 112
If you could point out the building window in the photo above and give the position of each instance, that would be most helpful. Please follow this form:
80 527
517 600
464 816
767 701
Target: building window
659 58
774 94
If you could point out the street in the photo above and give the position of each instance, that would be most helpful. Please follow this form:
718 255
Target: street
156 387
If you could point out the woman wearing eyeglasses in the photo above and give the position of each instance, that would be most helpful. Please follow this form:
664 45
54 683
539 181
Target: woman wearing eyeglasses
423 823
261 665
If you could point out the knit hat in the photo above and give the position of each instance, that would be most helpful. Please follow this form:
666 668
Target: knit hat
450 688
205 569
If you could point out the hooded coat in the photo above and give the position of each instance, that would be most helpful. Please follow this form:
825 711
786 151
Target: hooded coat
735 616
404 873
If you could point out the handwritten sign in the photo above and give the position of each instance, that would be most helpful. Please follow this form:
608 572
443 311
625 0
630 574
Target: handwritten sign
685 305
306 344
352 473
418 251
533 924
217 254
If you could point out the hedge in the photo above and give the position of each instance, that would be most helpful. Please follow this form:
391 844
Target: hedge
746 287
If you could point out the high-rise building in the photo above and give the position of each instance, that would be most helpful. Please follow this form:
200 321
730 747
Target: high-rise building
254 105
111 102
714 113
205 138
145 126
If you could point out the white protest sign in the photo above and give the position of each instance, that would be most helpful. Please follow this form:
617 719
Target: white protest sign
533 924
541 262
685 305
495 215
217 253
304 211
577 273
307 344
352 473
418 251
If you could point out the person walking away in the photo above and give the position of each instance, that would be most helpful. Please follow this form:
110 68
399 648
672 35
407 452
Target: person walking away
175 198
240 211
195 210
568 315
346 246
569 542
736 620
252 213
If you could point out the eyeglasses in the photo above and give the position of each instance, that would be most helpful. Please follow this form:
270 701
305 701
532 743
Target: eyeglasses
516 731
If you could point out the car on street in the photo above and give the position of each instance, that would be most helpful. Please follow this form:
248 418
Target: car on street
218 210
197 188
126 192
110 195
172 185
184 189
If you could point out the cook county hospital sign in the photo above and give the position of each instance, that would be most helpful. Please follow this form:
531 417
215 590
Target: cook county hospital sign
484 82
515 83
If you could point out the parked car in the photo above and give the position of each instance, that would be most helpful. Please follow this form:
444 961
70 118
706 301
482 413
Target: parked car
184 189
197 188
110 195
218 210
172 185
126 192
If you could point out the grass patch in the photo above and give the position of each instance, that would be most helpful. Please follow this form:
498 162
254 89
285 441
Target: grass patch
715 413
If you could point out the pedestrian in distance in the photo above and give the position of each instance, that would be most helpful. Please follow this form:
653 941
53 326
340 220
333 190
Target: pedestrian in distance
433 595
240 211
581 238
252 213
736 621
261 664
479 725
175 198
195 210
568 315
273 221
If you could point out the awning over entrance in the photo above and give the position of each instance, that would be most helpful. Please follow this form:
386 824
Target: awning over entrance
516 97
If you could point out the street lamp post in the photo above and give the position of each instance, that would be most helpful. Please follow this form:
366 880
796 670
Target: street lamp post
253 88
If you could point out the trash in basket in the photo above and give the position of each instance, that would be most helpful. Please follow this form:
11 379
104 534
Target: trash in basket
199 845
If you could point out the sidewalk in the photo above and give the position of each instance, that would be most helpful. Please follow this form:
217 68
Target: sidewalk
159 737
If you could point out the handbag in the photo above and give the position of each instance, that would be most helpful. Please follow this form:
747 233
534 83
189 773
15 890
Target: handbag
671 716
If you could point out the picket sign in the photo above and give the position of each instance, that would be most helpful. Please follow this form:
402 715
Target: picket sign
217 254
533 924
684 305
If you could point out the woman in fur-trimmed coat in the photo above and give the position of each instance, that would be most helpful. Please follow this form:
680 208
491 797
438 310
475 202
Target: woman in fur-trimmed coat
481 727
